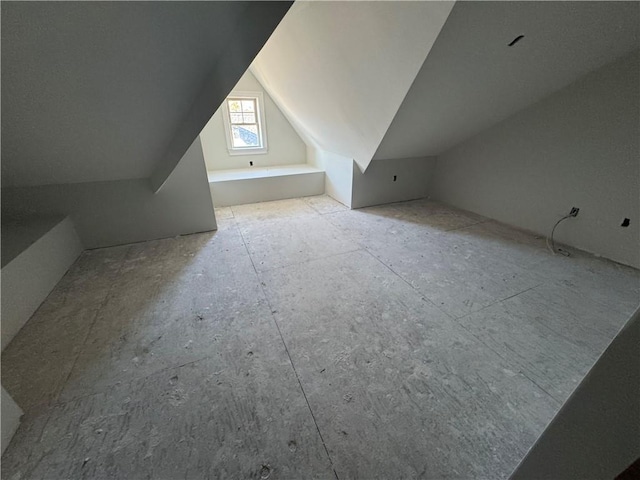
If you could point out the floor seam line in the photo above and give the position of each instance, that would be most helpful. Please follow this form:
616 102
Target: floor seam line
49 414
293 367
409 284
563 336
461 325
302 262
524 374
59 403
481 309
519 293
93 323
503 357
466 226
492 304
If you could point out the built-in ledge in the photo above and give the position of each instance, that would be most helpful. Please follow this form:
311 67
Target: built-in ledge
36 253
262 184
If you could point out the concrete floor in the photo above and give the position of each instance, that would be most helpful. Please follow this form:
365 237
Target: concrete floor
305 340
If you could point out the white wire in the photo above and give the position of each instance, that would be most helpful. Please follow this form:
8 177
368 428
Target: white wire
552 247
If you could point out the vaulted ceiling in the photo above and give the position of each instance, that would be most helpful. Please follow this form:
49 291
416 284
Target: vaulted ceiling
472 79
95 91
339 70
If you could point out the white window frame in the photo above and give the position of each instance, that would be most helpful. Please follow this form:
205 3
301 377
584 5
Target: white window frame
260 117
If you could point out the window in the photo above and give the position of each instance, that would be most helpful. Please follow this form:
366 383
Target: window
244 123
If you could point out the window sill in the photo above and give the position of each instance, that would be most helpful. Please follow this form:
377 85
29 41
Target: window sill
249 151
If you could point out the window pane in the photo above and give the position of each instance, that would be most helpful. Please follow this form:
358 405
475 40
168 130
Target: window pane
245 136
249 117
234 106
236 117
248 106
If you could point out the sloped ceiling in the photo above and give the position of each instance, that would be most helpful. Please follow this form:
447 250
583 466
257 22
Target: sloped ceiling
472 79
95 91
339 70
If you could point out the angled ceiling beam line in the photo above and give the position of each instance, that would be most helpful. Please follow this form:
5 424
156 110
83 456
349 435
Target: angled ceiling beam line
257 23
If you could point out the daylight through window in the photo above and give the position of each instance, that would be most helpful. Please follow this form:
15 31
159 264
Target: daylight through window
244 124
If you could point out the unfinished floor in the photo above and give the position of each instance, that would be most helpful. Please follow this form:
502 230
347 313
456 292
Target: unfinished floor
306 340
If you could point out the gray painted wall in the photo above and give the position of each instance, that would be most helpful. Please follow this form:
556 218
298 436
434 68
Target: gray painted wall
103 91
577 147
596 433
125 211
11 414
253 28
17 236
31 275
376 186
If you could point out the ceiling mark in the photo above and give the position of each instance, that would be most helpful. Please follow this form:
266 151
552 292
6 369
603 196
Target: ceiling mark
516 40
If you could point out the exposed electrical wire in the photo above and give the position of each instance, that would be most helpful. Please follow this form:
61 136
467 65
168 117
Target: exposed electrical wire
552 247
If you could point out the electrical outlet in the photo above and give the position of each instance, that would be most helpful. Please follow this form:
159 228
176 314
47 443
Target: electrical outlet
574 212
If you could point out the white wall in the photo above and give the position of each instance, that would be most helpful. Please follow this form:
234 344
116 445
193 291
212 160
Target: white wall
285 146
472 80
11 414
31 275
268 188
340 70
596 433
338 173
119 212
346 183
577 147
377 186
